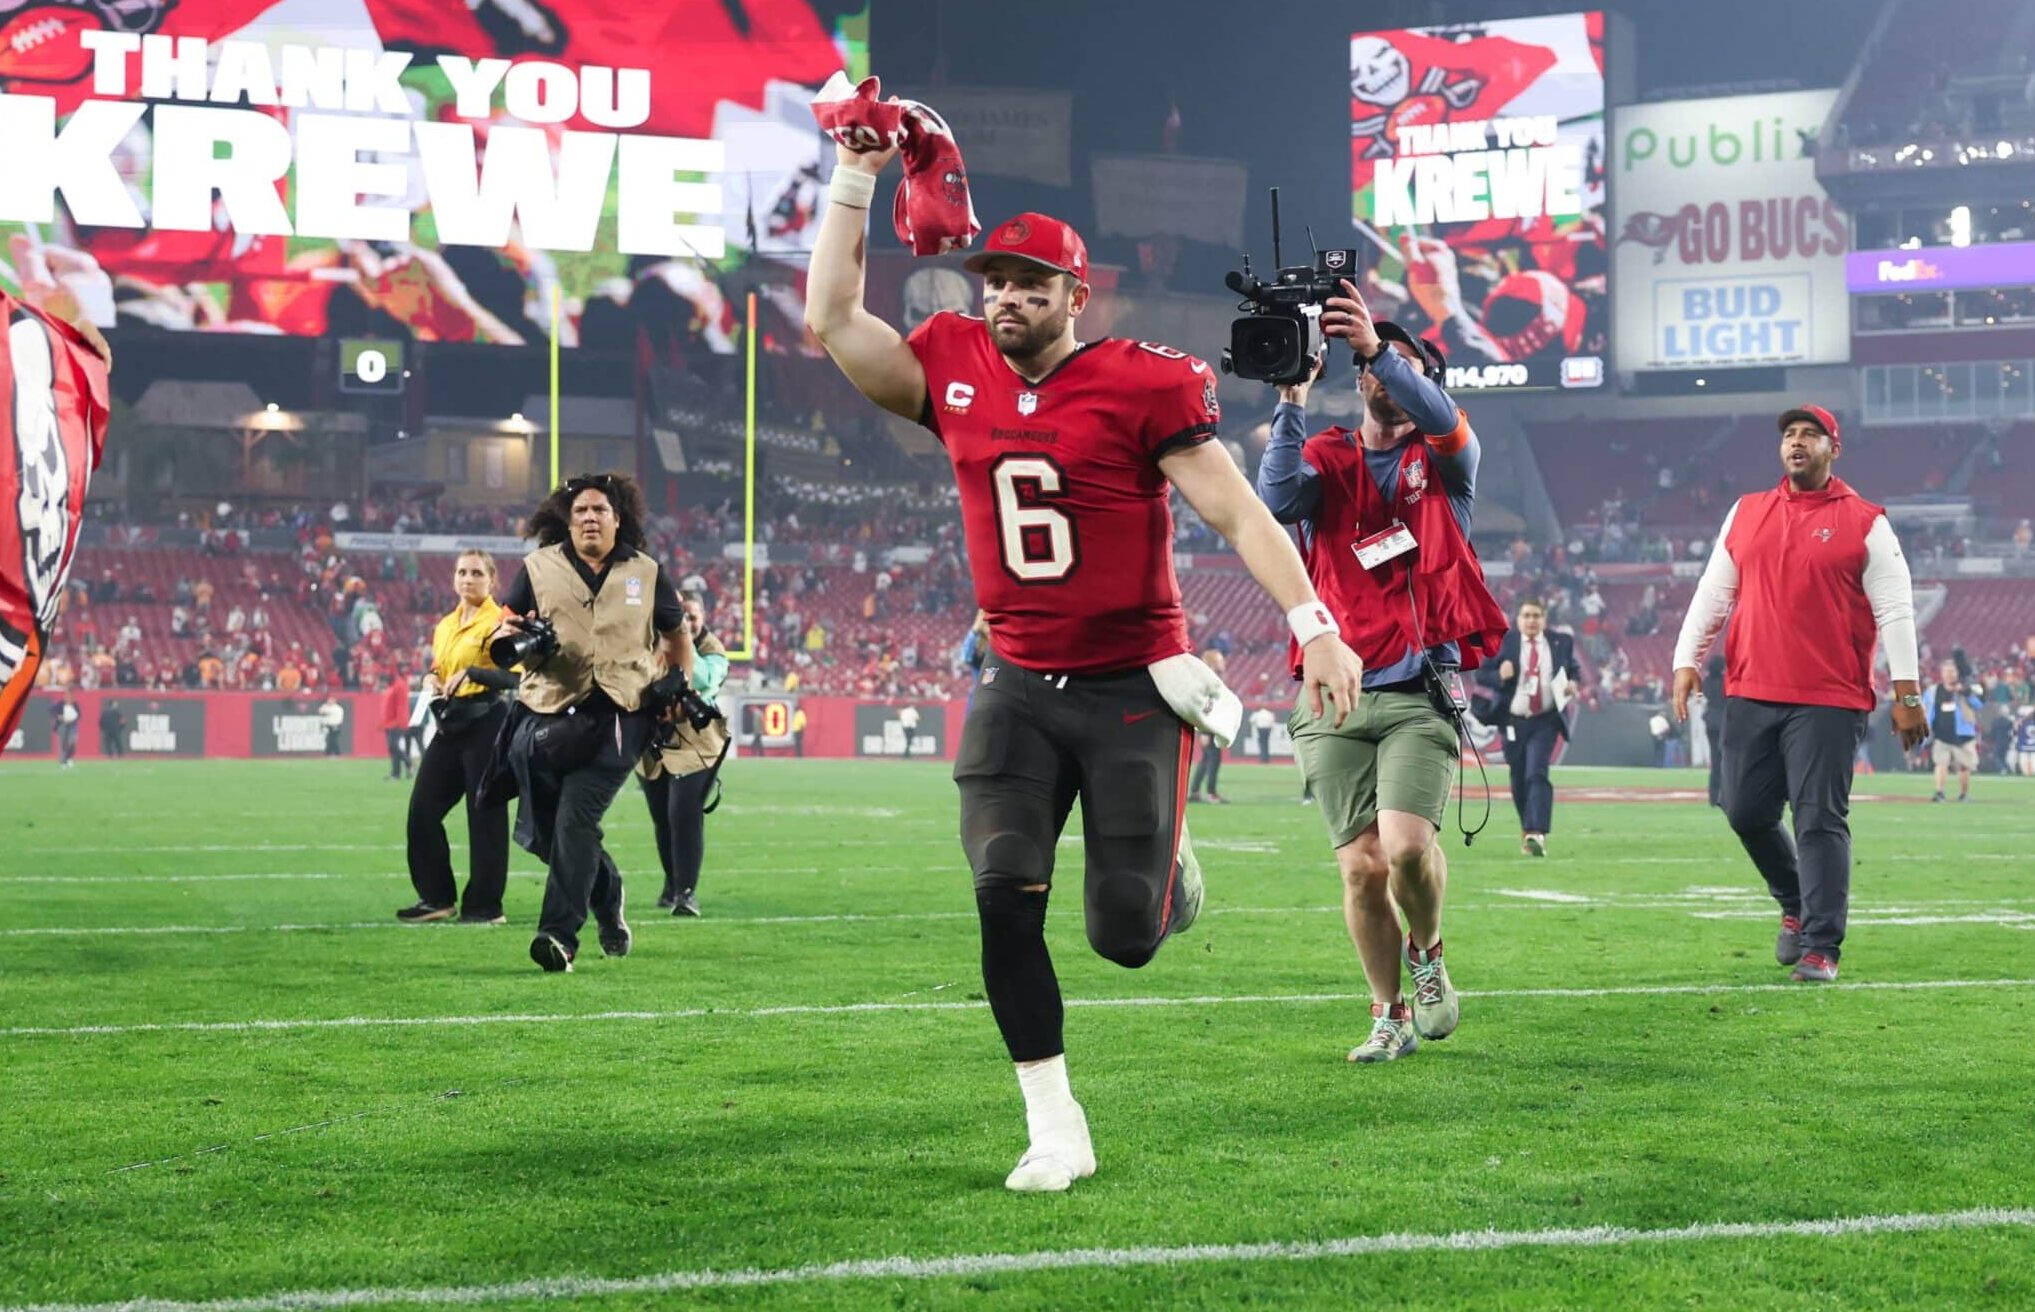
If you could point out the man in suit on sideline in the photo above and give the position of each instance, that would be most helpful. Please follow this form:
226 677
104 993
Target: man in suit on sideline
1537 677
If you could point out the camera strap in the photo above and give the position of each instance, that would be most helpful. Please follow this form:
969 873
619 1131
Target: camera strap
713 794
1451 700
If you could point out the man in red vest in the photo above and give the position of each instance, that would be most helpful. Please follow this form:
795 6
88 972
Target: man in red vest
1809 573
1384 516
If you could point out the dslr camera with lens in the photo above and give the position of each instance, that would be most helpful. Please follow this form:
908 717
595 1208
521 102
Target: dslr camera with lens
673 691
536 644
1278 338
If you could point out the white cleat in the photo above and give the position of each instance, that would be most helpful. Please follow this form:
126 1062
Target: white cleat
1051 1168
1061 1153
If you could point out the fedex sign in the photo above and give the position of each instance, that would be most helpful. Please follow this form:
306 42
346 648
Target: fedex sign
1941 268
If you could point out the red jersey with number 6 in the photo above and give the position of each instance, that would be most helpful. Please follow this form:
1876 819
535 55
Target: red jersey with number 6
1069 535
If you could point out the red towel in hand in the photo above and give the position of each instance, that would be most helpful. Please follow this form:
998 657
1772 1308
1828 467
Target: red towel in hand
932 212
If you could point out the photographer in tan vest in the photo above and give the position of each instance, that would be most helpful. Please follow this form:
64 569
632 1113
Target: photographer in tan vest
593 623
681 776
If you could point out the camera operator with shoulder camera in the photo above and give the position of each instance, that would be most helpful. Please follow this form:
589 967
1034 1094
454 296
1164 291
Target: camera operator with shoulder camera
1384 515
679 774
592 621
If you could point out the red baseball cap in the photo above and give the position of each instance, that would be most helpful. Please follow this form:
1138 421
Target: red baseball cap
1039 238
1816 415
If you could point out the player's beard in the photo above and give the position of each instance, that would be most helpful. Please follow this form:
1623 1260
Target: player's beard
1027 345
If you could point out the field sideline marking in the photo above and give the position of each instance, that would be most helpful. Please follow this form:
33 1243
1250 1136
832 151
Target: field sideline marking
1070 1259
1935 912
2003 914
734 871
858 1008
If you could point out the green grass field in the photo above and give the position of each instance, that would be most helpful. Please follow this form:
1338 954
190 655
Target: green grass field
225 1073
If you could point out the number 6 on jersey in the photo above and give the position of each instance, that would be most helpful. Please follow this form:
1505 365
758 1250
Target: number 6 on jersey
1038 541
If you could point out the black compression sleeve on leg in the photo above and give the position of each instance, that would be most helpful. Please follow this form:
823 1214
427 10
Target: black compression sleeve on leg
1017 972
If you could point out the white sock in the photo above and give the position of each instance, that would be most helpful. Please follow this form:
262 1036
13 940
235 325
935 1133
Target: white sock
1050 1109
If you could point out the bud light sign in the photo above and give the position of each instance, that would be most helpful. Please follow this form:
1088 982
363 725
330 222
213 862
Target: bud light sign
1733 321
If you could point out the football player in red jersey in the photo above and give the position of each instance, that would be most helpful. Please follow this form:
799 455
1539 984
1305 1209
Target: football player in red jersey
1065 453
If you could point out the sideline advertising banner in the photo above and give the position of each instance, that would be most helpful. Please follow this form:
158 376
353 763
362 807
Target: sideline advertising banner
1728 253
879 730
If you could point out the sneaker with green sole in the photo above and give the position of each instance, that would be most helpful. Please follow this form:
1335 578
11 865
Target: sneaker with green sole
1391 1038
1435 1006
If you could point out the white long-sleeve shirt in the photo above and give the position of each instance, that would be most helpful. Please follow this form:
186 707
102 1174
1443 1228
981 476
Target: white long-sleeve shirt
1885 578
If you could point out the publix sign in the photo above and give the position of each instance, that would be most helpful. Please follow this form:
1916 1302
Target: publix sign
1726 252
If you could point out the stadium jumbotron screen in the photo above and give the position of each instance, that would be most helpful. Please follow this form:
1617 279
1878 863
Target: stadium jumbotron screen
1477 167
439 167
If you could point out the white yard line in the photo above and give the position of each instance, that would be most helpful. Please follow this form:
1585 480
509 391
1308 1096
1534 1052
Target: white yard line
2011 918
1998 911
1066 1259
731 872
860 1008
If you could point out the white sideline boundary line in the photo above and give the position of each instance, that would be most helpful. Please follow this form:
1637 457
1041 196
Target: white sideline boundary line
732 871
864 1008
1935 912
1067 1259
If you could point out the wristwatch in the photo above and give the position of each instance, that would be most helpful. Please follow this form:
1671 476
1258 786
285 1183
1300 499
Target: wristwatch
1912 700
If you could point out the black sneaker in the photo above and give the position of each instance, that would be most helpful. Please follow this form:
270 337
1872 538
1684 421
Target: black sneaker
418 913
615 937
482 918
667 901
551 954
684 904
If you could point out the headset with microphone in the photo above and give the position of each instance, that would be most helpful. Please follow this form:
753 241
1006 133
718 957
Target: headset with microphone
1432 362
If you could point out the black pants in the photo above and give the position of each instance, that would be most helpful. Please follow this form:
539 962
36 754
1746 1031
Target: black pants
1529 742
1801 756
453 767
332 742
399 751
559 821
1264 747
1207 769
678 814
112 743
1713 729
1032 744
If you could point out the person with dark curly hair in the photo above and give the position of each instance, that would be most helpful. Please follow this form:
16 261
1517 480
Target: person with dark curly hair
583 716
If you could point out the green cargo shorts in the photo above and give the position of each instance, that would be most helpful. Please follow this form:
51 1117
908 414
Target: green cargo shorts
1395 753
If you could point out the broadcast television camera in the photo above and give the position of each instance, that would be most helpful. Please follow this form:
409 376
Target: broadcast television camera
1278 339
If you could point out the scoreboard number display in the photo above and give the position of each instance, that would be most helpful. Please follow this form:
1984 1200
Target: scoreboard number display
371 364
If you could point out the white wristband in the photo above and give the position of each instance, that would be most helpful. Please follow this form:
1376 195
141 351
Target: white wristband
852 187
1309 620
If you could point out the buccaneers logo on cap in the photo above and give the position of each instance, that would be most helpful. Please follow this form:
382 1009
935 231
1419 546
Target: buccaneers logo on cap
1014 233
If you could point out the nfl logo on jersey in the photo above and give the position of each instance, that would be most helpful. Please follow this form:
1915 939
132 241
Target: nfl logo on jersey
1027 402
